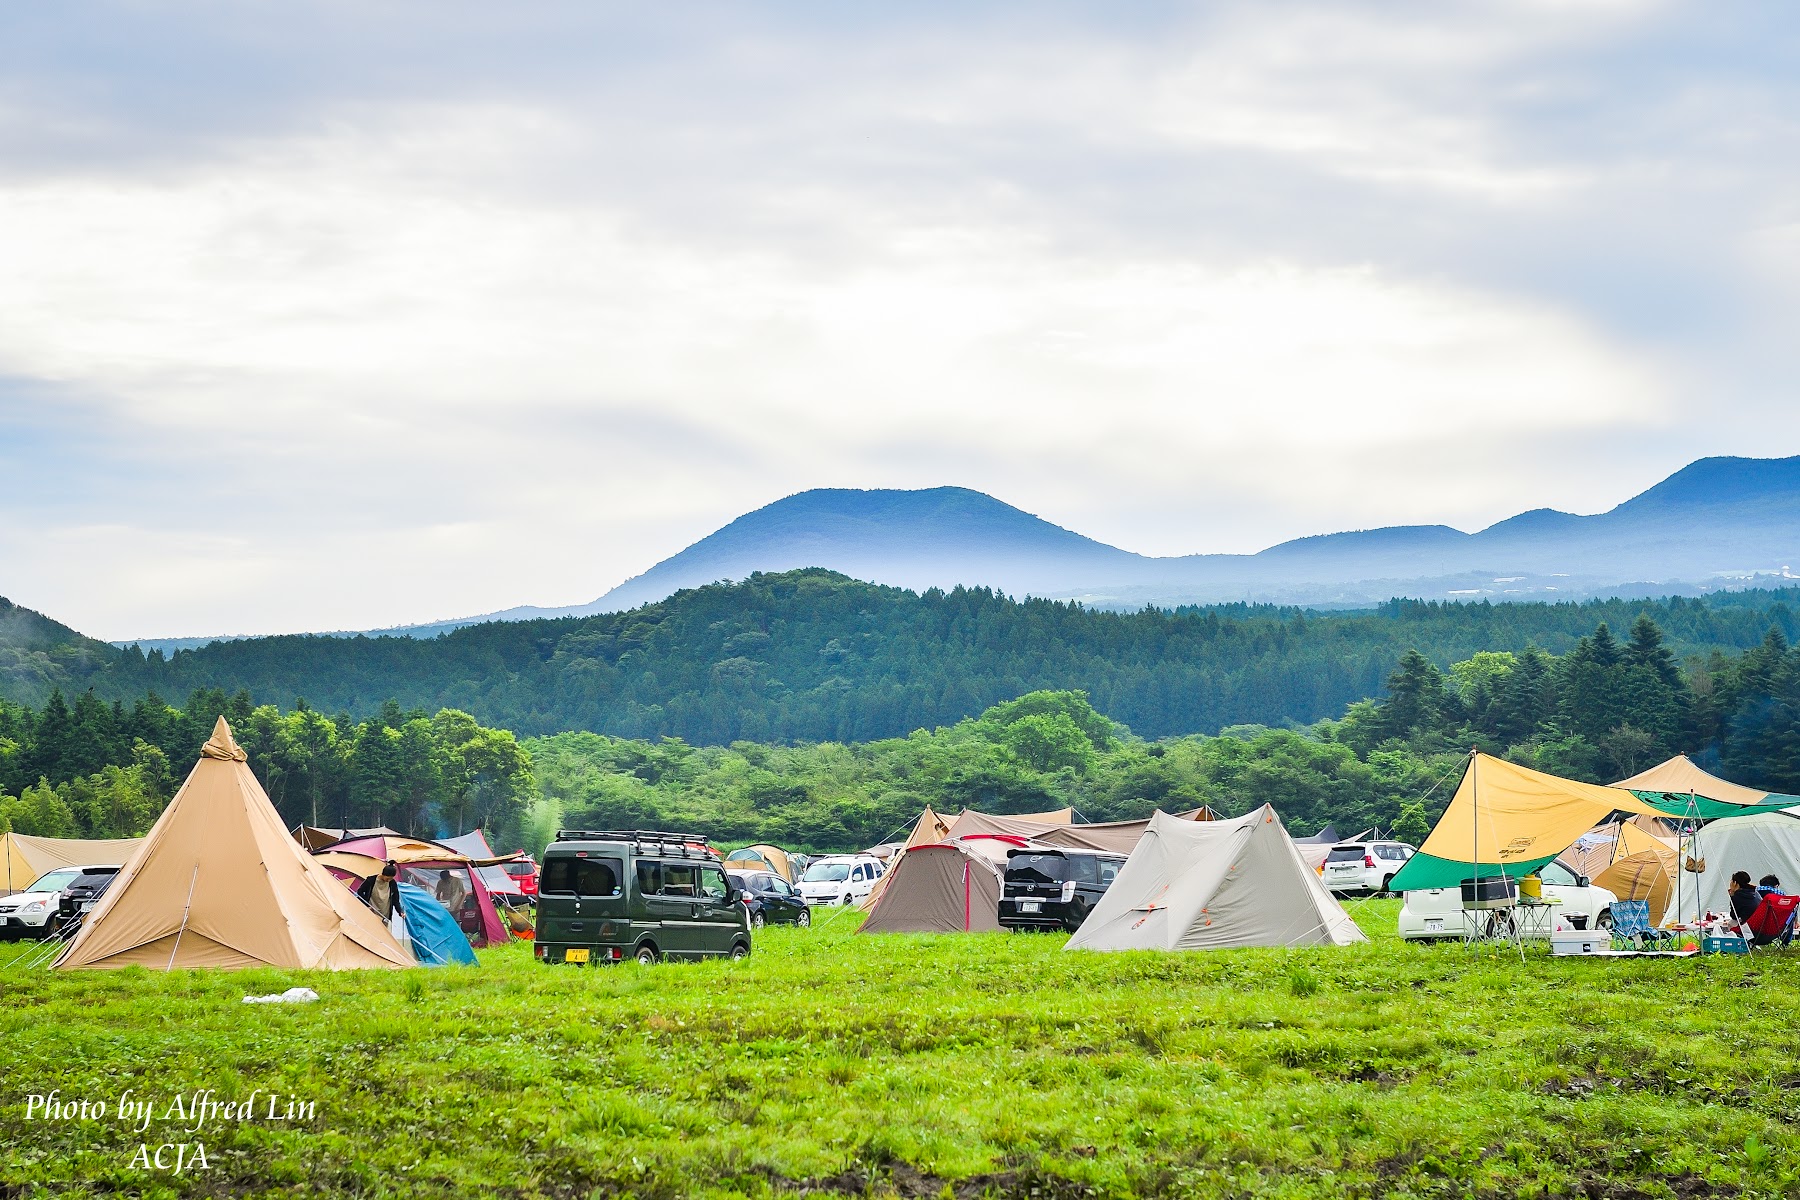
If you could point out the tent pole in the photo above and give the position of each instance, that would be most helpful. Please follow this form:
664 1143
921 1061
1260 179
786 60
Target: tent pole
185 909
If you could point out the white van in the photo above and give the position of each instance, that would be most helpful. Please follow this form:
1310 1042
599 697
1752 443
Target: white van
839 878
1434 913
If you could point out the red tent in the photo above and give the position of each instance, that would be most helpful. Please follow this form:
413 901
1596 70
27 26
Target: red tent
450 877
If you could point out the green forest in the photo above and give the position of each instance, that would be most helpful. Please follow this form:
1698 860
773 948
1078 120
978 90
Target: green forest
1604 708
812 656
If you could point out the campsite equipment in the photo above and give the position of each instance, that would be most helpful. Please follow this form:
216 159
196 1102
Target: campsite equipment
25 860
1531 887
1578 942
607 895
436 938
1192 885
761 858
315 838
1631 926
1771 918
1728 943
1050 888
951 886
1762 843
1498 891
451 877
218 882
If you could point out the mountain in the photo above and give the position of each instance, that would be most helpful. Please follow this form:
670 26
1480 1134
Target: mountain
1717 523
38 655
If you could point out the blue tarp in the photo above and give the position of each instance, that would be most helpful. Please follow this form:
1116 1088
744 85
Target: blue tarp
436 940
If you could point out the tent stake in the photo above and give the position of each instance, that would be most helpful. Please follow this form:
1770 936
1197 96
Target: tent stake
185 909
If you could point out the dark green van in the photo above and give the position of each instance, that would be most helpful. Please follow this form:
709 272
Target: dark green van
644 895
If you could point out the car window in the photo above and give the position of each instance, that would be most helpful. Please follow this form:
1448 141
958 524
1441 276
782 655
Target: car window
680 879
558 878
1345 854
781 887
55 881
712 883
650 878
1558 874
1109 871
826 873
1391 852
597 876
1084 869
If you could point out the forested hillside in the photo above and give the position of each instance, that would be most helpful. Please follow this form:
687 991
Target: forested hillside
814 656
1603 710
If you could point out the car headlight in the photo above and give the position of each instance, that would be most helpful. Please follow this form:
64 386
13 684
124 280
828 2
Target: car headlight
35 905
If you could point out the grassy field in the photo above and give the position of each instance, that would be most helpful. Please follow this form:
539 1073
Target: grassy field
836 1064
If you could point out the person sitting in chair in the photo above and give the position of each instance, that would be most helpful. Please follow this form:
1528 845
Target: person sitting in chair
1767 886
1744 896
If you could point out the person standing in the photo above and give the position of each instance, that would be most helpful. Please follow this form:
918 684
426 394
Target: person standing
382 892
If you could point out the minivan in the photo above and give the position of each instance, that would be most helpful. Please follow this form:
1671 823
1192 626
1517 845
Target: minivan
605 896
1054 889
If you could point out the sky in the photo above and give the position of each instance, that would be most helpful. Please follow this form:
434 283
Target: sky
342 316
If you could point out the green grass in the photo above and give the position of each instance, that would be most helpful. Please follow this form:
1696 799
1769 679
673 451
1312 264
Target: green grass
937 1065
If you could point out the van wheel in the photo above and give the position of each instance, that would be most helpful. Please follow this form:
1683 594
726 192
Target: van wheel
739 952
804 920
647 955
1604 921
756 921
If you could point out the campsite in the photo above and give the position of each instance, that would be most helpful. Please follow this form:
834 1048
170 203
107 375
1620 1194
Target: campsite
1220 1024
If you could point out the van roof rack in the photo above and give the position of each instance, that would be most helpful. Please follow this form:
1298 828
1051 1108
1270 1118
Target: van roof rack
677 844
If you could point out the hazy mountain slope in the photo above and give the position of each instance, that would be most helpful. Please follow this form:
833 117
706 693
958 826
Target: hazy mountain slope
38 655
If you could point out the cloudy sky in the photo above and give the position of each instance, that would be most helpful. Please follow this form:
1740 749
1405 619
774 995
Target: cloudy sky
347 315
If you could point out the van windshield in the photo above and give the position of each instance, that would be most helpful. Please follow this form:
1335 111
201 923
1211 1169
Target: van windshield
826 873
1037 868
55 881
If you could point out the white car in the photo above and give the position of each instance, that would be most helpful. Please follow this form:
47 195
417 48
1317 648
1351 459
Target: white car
839 878
32 912
1364 866
1435 913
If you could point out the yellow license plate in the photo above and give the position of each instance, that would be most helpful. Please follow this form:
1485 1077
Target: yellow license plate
575 956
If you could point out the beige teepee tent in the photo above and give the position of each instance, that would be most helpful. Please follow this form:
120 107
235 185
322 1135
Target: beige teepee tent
219 882
1207 885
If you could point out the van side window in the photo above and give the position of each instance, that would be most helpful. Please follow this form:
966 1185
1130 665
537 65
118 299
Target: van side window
650 879
1109 871
1084 869
596 876
559 876
678 880
712 883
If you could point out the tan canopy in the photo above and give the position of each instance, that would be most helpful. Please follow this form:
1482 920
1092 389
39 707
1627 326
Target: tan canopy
1114 837
1207 885
220 883
1680 777
24 860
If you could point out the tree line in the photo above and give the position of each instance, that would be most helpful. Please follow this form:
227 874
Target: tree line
96 770
1601 710
811 656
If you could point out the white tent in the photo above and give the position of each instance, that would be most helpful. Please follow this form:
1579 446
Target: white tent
1762 844
1194 885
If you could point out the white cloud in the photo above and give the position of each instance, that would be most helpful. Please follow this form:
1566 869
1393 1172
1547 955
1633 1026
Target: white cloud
394 355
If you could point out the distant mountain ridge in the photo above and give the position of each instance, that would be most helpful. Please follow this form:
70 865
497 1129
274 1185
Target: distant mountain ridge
1719 522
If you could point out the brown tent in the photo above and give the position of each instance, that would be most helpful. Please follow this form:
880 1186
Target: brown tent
944 887
1114 837
24 860
220 883
1680 777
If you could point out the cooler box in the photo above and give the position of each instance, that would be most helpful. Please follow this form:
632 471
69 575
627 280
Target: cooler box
1495 891
1579 941
1724 945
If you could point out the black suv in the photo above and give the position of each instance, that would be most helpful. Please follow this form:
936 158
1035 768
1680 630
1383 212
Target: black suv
1054 889
82 893
769 899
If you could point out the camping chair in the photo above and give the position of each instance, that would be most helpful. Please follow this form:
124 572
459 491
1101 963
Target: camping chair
1631 928
1770 920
